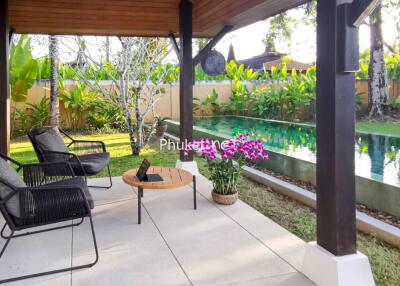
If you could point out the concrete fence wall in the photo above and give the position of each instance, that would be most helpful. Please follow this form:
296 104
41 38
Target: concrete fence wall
168 105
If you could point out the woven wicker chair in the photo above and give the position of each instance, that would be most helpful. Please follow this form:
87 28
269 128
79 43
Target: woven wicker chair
87 158
49 193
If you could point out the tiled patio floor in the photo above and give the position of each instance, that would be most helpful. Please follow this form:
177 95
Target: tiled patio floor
174 245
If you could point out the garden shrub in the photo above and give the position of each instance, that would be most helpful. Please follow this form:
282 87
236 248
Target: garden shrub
35 115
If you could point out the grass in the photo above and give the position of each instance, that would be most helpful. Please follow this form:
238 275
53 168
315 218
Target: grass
301 221
387 128
118 146
293 216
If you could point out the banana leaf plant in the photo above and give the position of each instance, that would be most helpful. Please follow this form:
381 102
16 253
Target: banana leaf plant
23 69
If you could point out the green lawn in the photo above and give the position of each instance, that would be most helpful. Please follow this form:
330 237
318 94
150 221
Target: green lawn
117 144
301 221
288 213
387 128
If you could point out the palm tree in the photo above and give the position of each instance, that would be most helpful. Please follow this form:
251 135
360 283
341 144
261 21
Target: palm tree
378 89
54 114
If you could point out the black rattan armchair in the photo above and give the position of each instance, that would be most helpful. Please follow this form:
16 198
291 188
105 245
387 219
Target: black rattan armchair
87 157
49 193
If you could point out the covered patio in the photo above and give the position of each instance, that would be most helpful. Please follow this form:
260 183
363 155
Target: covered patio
175 245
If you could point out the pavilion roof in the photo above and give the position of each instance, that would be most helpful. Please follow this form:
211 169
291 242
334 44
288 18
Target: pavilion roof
298 66
136 17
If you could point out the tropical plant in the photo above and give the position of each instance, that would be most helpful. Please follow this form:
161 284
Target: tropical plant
240 101
237 72
394 102
67 71
77 101
23 72
202 76
43 68
104 113
224 172
210 104
279 73
363 72
196 105
23 69
161 121
358 101
35 115
137 84
393 66
167 72
295 93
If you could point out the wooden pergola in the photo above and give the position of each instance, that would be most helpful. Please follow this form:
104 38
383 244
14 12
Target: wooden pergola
337 59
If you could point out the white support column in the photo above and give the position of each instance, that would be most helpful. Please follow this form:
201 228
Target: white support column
190 166
326 269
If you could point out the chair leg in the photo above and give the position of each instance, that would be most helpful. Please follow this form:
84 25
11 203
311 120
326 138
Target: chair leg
58 270
38 231
5 245
194 193
109 177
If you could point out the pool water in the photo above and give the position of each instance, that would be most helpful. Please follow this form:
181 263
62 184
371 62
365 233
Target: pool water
376 156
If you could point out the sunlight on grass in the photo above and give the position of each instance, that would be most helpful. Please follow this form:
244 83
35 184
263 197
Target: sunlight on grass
117 144
387 128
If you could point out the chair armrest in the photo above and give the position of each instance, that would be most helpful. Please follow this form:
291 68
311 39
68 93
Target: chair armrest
35 175
50 203
56 156
6 158
88 146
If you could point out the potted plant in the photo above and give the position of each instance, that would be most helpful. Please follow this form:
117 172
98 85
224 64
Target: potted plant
226 169
161 126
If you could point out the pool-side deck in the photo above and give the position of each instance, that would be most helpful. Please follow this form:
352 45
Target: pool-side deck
174 245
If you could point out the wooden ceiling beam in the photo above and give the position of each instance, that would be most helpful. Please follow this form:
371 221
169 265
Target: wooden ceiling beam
211 44
143 17
175 45
361 9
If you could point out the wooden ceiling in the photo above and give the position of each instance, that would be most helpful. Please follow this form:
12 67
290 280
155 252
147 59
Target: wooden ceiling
136 17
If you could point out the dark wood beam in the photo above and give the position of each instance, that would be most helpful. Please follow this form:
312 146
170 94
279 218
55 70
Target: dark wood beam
361 9
348 41
10 36
4 79
174 45
336 222
211 44
186 75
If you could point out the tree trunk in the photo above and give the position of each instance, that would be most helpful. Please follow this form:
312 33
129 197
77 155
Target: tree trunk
378 82
108 49
54 113
139 127
124 90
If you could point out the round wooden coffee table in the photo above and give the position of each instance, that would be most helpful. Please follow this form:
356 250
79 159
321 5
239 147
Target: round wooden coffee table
173 178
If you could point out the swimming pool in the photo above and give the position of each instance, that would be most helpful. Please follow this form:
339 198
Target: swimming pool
376 156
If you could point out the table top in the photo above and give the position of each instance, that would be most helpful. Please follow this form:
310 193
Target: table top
172 178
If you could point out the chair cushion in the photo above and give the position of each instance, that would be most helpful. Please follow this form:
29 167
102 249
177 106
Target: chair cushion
77 181
92 163
51 140
10 176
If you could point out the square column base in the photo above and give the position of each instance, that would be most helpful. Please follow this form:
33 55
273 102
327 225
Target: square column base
326 269
190 166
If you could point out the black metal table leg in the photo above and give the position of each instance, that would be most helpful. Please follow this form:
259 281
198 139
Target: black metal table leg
140 195
194 193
